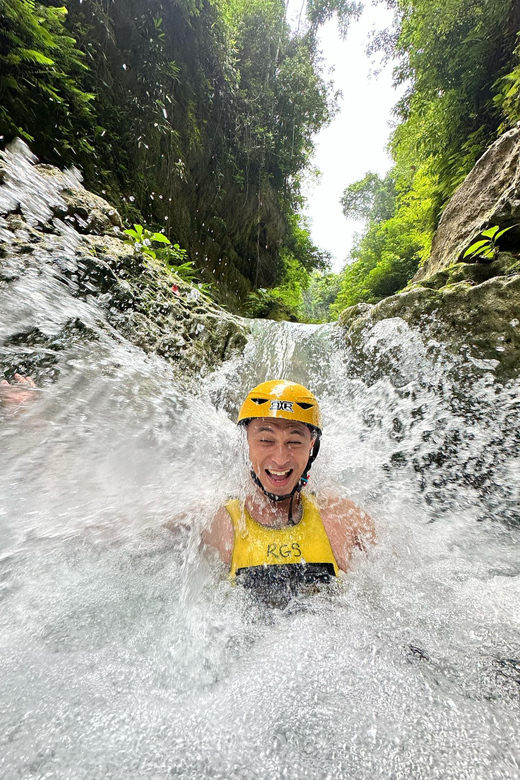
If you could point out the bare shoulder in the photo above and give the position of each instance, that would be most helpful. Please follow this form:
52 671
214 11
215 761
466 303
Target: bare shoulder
220 534
342 516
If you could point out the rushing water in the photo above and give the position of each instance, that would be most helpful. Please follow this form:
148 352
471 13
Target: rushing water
126 654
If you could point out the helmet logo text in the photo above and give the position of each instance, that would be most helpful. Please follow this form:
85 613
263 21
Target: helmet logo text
281 406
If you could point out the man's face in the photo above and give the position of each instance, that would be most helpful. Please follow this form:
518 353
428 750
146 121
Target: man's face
278 451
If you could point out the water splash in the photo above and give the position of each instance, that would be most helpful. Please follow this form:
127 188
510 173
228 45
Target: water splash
127 654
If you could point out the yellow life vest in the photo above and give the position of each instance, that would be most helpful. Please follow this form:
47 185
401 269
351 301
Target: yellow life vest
304 547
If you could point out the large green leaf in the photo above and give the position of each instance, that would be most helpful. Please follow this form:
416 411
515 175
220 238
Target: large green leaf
476 247
490 232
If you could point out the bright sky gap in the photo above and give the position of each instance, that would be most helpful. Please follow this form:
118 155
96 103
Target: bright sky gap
355 141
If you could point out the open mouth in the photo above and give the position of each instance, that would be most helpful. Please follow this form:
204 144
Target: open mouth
279 478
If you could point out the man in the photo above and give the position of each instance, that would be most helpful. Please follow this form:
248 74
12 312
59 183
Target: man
279 534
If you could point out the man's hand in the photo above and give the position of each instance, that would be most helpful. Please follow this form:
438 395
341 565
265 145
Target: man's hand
19 392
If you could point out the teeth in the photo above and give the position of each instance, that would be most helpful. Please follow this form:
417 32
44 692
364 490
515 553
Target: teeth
279 473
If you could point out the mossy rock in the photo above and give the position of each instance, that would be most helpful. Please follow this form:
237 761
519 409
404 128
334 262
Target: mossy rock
473 272
481 320
348 316
140 297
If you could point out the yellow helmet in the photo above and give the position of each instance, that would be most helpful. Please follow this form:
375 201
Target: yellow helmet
282 399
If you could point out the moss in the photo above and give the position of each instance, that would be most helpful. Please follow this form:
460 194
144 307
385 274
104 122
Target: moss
481 319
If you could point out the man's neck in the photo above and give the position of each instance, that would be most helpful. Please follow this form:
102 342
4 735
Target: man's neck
274 514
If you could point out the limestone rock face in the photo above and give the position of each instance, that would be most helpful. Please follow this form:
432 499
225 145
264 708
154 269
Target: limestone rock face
490 195
472 310
67 276
87 212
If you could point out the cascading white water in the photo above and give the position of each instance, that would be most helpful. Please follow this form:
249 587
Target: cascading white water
125 652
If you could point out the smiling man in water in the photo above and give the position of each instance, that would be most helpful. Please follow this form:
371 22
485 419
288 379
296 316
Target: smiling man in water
280 536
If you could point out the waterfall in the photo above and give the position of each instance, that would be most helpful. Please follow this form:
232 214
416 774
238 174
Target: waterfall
125 651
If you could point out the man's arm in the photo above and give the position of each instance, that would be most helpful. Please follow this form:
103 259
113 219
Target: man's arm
221 535
348 527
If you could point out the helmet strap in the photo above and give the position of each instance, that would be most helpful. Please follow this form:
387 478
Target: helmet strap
300 484
272 496
276 498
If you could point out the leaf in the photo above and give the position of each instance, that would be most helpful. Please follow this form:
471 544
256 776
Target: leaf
160 237
476 247
505 231
490 232
31 55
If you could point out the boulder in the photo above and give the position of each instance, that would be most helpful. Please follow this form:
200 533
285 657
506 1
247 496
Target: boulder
45 195
480 321
87 212
489 195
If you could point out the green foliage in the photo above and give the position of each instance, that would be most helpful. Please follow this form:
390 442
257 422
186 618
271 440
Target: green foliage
300 246
370 199
266 304
453 53
145 242
215 142
389 253
507 98
487 247
286 300
202 122
321 11
453 56
319 296
300 261
41 68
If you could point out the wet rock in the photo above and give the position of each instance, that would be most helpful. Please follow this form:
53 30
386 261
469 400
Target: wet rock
34 353
480 320
490 195
470 306
55 230
32 191
185 328
87 212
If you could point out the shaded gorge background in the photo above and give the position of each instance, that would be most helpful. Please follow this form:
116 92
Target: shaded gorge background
198 118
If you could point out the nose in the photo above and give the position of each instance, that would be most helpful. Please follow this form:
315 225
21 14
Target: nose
280 455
